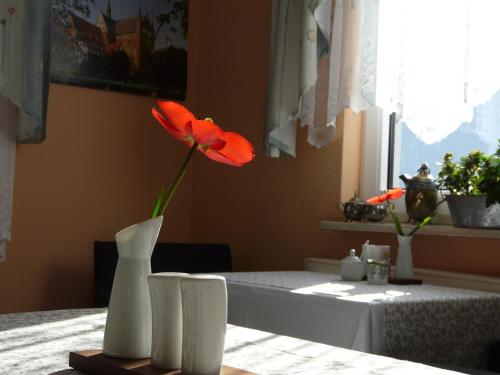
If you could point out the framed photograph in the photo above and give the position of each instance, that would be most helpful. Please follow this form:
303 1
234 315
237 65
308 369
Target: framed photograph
135 46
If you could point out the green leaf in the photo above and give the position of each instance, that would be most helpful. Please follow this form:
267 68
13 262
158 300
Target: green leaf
422 224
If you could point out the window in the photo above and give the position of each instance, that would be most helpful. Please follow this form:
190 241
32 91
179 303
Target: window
438 70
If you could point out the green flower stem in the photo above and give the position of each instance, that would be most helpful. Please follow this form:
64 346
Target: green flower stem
173 187
158 203
395 219
399 228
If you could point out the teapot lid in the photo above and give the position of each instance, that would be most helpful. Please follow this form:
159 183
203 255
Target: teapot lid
422 180
424 172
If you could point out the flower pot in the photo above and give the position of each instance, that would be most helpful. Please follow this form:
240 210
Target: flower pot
471 212
128 325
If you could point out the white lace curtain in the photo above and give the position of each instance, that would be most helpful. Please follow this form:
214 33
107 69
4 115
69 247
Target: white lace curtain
24 79
437 61
431 61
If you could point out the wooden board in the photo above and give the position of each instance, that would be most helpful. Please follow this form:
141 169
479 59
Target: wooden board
93 362
394 280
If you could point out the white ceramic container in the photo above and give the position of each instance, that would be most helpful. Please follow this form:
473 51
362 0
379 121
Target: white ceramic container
204 312
128 324
404 263
351 267
166 308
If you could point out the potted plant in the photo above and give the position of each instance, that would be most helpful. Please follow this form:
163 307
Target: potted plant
474 189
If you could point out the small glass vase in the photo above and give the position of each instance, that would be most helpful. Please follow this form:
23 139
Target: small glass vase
404 263
128 325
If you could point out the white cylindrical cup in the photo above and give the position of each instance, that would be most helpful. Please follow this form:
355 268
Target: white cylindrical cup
166 310
374 252
204 319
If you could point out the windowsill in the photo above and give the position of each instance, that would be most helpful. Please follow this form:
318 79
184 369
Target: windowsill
429 230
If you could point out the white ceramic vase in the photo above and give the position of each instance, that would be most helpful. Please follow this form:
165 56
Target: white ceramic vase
128 324
166 308
204 311
404 263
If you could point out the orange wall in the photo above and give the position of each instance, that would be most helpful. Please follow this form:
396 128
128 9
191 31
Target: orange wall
104 159
98 171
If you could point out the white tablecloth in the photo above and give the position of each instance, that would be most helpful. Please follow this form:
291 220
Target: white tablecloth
419 322
38 343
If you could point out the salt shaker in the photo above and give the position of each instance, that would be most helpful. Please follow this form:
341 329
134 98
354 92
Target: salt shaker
351 267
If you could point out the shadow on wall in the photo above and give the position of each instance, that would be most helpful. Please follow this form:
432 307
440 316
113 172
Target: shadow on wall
66 287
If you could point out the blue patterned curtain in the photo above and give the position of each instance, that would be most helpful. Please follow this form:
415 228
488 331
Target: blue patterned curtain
299 38
24 63
24 81
318 68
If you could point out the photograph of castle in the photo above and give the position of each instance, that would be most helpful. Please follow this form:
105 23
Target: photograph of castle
135 46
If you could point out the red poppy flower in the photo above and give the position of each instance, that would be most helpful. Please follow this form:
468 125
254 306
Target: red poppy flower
392 194
223 147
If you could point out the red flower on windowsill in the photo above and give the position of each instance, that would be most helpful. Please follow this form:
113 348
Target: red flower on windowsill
392 194
202 135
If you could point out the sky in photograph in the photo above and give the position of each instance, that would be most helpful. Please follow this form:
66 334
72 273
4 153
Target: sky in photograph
130 8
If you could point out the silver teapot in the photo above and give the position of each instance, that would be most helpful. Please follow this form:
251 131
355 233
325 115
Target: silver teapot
421 194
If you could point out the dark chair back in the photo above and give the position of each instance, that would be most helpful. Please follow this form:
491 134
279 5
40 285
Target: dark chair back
167 257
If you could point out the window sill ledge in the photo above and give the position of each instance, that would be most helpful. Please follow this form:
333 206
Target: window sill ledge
429 230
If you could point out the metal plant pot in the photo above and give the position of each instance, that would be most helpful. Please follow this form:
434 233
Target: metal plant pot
471 212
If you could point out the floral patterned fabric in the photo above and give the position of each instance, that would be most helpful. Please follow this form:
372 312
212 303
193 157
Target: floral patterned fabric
456 331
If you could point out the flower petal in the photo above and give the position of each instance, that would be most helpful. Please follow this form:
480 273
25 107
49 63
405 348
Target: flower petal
176 115
378 199
206 133
394 194
237 151
173 131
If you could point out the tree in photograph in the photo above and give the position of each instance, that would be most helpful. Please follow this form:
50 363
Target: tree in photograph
176 18
62 7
